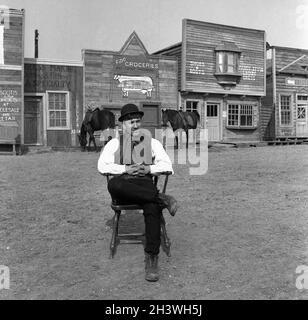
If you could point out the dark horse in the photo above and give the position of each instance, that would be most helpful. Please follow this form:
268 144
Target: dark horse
94 121
180 120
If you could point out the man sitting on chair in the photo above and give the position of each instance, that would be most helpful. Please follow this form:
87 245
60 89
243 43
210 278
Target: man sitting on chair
134 157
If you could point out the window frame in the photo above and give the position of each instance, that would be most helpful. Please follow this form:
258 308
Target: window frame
68 113
192 101
239 114
225 62
291 110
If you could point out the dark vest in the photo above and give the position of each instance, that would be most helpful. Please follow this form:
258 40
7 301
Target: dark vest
134 150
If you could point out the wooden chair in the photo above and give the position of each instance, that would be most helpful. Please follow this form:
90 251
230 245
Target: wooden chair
118 238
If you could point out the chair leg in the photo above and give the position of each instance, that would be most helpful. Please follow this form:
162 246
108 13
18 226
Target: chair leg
165 241
115 231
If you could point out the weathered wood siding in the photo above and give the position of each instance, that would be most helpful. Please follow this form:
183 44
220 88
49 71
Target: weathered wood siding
198 49
284 57
11 71
174 51
103 69
41 78
267 112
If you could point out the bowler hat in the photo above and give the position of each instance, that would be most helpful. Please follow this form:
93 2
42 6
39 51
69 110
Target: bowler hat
129 108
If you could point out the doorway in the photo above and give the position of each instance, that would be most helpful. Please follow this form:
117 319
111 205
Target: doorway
152 117
213 121
302 116
33 121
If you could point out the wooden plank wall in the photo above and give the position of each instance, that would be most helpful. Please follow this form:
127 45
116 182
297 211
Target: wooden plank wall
40 78
267 113
11 82
102 90
201 39
285 56
176 52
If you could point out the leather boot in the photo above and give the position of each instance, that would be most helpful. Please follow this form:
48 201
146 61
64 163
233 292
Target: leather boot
168 202
151 267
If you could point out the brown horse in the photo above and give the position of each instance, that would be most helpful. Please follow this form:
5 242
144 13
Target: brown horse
94 121
180 120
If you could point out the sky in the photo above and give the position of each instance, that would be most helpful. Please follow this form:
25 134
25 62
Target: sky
68 26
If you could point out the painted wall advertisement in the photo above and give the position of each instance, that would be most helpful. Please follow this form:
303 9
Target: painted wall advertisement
9 107
135 74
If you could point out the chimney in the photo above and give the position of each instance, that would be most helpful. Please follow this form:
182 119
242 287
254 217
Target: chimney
36 37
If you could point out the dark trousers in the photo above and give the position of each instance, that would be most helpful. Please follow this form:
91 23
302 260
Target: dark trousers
142 191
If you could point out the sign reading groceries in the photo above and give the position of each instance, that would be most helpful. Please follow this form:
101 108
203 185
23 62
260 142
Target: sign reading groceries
135 63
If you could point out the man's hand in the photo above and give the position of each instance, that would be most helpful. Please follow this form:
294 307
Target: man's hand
132 169
143 170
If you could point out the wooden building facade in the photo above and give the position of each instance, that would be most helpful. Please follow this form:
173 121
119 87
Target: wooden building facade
131 75
222 75
11 77
285 107
53 102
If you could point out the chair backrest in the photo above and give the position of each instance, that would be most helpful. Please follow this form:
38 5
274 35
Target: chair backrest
155 178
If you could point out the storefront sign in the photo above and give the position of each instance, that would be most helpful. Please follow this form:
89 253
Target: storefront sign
142 84
135 63
40 78
297 82
196 67
9 106
250 72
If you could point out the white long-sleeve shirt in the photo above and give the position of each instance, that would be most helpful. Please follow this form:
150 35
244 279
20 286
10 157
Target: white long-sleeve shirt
106 161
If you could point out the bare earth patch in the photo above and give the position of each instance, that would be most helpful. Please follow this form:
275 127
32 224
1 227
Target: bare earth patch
240 233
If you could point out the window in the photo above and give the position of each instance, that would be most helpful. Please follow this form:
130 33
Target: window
285 110
301 113
246 116
191 106
227 62
302 98
241 115
58 110
212 110
233 112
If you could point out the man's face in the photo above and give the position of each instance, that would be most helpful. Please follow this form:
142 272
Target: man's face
132 126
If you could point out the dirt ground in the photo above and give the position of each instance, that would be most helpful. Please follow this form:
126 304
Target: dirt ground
240 232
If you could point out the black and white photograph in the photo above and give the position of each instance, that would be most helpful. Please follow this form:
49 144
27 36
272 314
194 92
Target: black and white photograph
154 150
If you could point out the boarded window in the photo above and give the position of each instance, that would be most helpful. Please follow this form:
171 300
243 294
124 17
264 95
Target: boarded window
285 110
58 110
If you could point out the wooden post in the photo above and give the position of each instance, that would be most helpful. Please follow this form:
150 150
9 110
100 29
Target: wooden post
36 37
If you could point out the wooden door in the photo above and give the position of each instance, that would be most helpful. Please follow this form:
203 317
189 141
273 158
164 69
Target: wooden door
33 121
302 120
213 121
152 117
